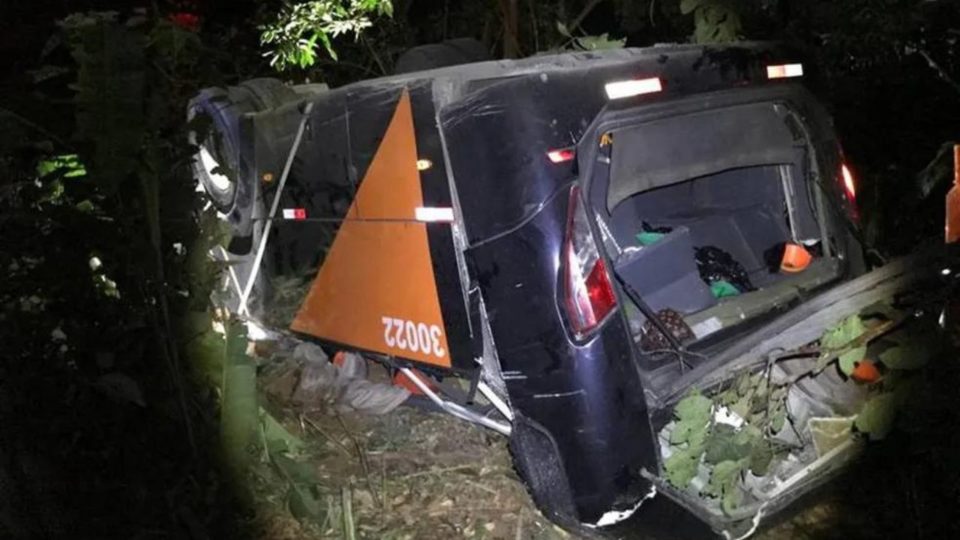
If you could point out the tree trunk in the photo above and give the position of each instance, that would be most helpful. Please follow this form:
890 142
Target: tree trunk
511 44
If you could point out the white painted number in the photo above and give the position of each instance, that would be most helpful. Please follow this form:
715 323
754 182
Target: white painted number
387 338
401 342
413 337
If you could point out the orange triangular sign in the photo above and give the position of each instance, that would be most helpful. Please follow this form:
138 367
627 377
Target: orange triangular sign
376 288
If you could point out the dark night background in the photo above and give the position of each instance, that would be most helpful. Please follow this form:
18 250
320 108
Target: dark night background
76 462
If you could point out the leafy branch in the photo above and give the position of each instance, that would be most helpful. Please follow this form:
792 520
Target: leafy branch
302 30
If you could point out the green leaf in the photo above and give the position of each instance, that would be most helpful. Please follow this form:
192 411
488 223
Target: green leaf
760 458
748 434
876 417
724 444
741 408
731 499
681 467
842 333
239 398
346 505
328 45
293 36
563 30
848 360
695 406
601 42
717 443
304 503
66 166
779 393
724 484
912 354
85 206
298 472
759 399
277 437
728 397
778 419
688 6
692 414
697 440
727 443
715 21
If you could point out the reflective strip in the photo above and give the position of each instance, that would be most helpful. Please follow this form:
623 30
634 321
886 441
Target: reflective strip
434 214
622 89
295 213
424 164
784 71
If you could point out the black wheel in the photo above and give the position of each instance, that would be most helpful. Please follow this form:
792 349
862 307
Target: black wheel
219 167
539 465
215 164
217 112
436 55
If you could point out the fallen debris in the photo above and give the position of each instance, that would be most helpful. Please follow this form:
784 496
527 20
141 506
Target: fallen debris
307 377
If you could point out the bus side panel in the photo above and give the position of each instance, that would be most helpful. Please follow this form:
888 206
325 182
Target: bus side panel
388 282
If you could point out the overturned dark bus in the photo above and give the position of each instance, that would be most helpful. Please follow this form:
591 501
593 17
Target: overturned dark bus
584 238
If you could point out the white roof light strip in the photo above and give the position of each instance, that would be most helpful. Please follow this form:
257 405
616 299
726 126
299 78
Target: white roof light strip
785 71
622 89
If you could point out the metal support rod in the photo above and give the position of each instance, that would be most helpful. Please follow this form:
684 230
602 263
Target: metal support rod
454 409
261 247
493 398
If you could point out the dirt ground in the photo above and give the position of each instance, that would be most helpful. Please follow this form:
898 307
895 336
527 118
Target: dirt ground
424 475
408 474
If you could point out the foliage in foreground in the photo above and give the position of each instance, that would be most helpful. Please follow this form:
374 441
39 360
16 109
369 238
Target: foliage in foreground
105 272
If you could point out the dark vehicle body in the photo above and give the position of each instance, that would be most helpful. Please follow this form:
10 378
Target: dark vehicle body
587 405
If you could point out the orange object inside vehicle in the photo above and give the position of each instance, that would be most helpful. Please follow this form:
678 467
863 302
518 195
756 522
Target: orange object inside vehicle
796 258
866 372
952 229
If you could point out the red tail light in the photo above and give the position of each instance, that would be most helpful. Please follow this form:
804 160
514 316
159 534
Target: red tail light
588 291
847 181
849 187
561 155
